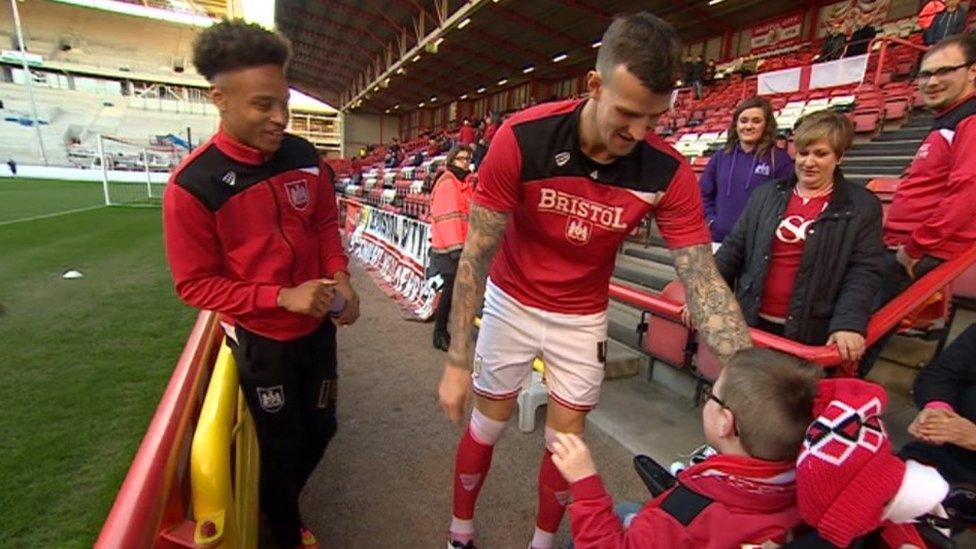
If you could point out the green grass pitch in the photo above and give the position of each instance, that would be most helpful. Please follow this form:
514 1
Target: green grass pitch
82 362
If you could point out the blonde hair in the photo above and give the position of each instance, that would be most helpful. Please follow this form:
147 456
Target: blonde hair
832 127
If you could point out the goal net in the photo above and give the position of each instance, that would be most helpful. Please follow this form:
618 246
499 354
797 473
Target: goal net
134 174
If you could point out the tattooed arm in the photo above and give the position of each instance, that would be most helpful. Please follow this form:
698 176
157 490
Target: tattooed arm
714 310
485 232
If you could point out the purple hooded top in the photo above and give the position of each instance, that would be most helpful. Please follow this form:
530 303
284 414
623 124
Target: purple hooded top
730 178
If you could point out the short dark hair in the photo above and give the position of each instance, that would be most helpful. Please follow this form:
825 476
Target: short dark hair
771 395
966 42
233 44
647 45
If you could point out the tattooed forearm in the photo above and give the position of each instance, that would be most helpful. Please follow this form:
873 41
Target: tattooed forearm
714 311
485 232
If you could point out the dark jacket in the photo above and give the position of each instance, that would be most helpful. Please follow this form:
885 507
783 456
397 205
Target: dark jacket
833 47
860 41
840 270
950 378
946 23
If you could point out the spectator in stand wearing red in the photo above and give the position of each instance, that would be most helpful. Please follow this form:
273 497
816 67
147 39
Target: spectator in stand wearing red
466 134
251 231
948 21
805 257
931 218
755 416
492 122
450 203
749 159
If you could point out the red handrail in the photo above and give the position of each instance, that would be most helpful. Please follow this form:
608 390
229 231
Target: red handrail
137 516
882 55
881 322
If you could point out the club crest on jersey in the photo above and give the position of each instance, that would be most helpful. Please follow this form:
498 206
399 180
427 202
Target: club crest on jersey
271 399
562 158
578 231
297 194
229 178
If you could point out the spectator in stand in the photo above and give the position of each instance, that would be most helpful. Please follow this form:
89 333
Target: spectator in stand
466 134
861 39
432 148
931 219
687 70
450 203
697 75
709 72
833 46
947 22
945 428
819 221
927 15
492 121
755 416
749 159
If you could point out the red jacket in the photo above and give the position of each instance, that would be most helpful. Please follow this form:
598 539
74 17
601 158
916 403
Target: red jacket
466 135
450 203
740 500
932 210
239 227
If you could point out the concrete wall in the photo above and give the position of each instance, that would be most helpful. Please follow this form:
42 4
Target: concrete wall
368 129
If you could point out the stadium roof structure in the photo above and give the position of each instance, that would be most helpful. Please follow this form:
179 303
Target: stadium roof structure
373 55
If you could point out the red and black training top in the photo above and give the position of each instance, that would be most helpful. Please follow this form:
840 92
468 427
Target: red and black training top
238 227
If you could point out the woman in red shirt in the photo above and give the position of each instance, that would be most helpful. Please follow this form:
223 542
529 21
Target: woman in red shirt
805 257
450 203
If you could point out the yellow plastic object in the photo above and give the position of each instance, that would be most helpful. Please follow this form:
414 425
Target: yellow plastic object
224 500
537 364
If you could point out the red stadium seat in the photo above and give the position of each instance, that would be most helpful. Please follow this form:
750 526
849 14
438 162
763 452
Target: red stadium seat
663 338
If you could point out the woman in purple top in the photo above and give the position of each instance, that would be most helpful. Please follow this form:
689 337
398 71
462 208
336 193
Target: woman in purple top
749 159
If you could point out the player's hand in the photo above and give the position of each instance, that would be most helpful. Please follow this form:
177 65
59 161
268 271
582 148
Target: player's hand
572 457
925 416
849 344
312 297
454 391
351 312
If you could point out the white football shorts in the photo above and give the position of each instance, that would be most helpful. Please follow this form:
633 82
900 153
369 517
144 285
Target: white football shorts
573 348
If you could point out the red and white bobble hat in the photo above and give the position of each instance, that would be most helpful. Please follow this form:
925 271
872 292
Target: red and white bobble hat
848 480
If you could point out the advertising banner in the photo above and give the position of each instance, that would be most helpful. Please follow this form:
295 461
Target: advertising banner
778 33
394 248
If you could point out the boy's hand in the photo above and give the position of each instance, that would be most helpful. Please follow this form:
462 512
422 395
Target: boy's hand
572 457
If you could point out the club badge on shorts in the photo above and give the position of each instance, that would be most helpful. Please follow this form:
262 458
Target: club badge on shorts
297 194
271 399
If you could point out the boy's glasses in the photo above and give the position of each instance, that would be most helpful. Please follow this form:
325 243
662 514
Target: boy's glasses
709 395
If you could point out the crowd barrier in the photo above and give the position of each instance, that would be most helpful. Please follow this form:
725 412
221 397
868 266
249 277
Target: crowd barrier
193 481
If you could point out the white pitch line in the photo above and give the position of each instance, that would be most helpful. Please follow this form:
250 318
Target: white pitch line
55 214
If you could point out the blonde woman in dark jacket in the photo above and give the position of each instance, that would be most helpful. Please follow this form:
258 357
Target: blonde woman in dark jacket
805 258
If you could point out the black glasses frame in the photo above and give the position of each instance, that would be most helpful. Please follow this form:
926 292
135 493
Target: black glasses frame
940 72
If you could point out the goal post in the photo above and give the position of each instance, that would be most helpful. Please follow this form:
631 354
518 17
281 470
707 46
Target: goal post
133 174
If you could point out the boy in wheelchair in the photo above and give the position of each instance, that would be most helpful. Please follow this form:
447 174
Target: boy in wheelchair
759 415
